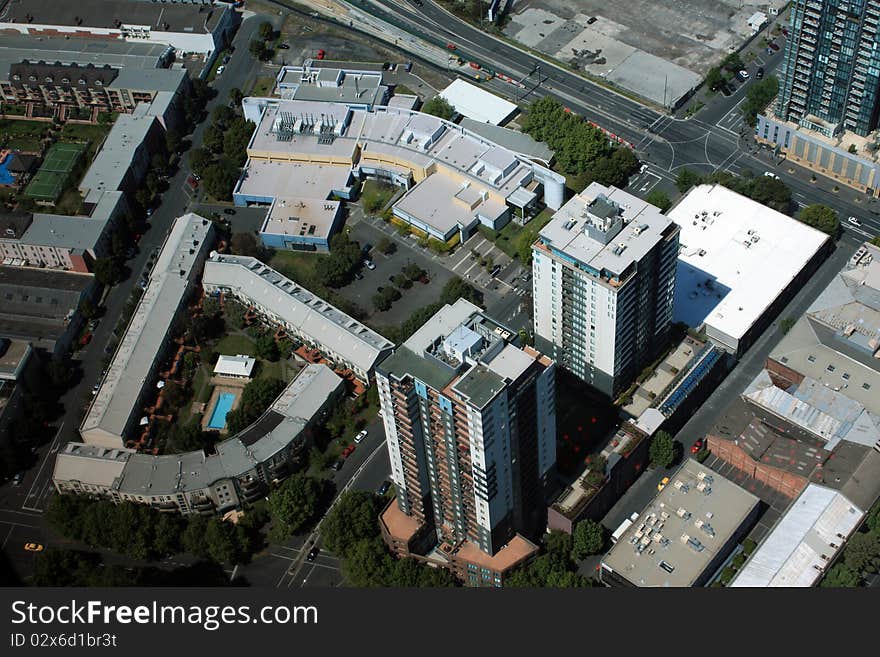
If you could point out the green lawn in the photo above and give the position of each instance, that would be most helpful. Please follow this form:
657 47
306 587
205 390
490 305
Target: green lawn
22 135
233 345
263 86
375 195
296 265
510 238
269 370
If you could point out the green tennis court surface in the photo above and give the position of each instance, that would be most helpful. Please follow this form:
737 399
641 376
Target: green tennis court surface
49 181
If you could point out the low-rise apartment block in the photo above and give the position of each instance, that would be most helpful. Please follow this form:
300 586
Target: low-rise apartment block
242 469
344 341
117 404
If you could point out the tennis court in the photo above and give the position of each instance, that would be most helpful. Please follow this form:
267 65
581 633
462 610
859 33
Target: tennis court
49 181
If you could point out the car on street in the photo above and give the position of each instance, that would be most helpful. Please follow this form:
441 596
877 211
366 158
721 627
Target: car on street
359 276
149 212
283 46
854 221
313 553
338 465
770 174
369 264
759 74
384 487
662 483
743 74
226 58
361 435
229 211
769 51
321 54
774 46
95 389
366 248
220 69
17 479
697 446
348 451
33 547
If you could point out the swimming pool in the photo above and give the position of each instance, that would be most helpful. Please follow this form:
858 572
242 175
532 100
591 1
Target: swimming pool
224 403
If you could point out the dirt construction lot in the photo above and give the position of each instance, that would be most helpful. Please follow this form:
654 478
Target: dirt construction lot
635 43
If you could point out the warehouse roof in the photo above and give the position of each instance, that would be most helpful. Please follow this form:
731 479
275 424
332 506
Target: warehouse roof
475 103
736 257
680 533
199 18
803 542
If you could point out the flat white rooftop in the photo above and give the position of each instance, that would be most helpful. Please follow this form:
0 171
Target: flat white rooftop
301 217
736 256
791 555
477 104
292 179
239 365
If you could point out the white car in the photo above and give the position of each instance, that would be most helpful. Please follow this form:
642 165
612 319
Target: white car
220 69
369 264
770 174
358 438
854 221
744 74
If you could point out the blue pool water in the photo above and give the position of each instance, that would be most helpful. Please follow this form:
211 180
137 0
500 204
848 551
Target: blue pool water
221 408
6 178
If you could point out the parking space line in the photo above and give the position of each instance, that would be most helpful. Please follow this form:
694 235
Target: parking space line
8 536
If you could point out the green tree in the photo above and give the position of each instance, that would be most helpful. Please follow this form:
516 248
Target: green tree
386 246
107 271
862 552
662 450
266 30
212 138
841 576
820 217
872 522
267 348
758 96
439 106
733 62
354 517
559 544
199 160
222 115
589 538
368 564
257 48
293 504
660 199
219 179
257 396
714 79
236 96
687 179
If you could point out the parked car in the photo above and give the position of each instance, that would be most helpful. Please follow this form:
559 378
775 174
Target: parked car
662 483
769 51
220 69
33 547
338 465
85 339
283 46
348 451
229 211
321 54
149 212
95 389
313 553
384 487
17 479
743 74
369 264
361 435
366 248
759 74
854 221
359 276
226 58
770 174
774 46
697 446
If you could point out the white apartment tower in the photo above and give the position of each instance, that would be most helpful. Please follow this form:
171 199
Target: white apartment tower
603 284
471 424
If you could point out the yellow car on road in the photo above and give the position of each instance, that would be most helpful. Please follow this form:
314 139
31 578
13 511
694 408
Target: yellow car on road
662 483
33 547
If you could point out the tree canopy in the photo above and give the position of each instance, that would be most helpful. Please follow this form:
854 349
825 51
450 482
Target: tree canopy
257 396
293 504
662 450
758 96
589 538
820 217
439 106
